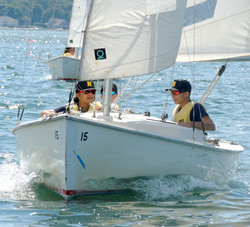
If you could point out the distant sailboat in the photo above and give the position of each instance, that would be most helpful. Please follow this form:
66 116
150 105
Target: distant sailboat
66 67
122 39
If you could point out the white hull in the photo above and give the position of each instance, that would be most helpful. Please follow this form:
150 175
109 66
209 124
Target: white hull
72 150
64 68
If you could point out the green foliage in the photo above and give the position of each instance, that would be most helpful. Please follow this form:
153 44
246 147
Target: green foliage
33 12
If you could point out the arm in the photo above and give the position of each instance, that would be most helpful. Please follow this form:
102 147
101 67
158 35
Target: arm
207 122
200 115
47 112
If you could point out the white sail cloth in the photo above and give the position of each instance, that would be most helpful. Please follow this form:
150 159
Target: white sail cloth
216 30
77 25
132 37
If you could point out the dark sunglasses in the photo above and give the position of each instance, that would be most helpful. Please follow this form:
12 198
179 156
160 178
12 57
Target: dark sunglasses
87 92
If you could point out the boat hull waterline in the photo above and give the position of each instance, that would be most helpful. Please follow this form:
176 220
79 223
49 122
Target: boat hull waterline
73 150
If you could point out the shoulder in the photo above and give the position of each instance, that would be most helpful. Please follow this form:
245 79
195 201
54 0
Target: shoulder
198 111
199 107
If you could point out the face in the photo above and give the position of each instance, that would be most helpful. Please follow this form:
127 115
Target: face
86 97
71 51
180 97
113 97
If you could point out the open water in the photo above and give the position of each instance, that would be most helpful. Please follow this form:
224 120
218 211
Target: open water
166 201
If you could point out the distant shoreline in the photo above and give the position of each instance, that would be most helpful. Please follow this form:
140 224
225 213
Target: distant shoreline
31 28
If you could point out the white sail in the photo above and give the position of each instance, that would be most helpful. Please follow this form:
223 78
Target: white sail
216 30
77 23
128 38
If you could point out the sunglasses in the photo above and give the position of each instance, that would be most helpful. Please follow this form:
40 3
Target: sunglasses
176 92
87 92
113 93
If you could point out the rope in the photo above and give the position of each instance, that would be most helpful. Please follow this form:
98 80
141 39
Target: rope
164 115
19 116
213 83
119 98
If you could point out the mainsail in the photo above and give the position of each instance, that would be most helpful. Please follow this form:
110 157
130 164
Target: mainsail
128 38
216 30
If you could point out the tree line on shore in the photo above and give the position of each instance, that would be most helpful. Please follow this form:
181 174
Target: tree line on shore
36 12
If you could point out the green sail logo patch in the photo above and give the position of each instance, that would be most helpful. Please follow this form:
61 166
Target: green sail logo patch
100 54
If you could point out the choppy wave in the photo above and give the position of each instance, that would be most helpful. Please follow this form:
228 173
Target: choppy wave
16 185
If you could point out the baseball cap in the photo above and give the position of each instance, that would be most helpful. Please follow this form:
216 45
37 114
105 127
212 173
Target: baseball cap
180 85
114 88
85 85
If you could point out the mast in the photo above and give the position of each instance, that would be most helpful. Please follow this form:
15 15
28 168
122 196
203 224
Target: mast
107 97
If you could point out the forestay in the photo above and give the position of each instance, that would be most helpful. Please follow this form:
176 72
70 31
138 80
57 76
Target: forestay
77 25
216 30
132 37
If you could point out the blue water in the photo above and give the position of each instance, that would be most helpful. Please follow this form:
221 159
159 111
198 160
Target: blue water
167 201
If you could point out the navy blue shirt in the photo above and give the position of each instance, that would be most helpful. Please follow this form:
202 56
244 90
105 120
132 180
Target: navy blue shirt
199 112
60 109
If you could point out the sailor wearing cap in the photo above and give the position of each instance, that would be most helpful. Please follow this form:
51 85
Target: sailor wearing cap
85 96
114 95
187 111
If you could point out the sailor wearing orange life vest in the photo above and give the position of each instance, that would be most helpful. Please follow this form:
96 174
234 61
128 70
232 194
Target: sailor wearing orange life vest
186 111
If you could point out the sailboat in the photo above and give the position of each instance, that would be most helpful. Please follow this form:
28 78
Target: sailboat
71 150
66 67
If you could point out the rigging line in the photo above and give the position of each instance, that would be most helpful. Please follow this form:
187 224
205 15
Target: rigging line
163 116
213 83
194 50
54 9
53 13
33 75
120 96
19 115
189 55
124 98
202 124
71 94
136 88
28 51
193 121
